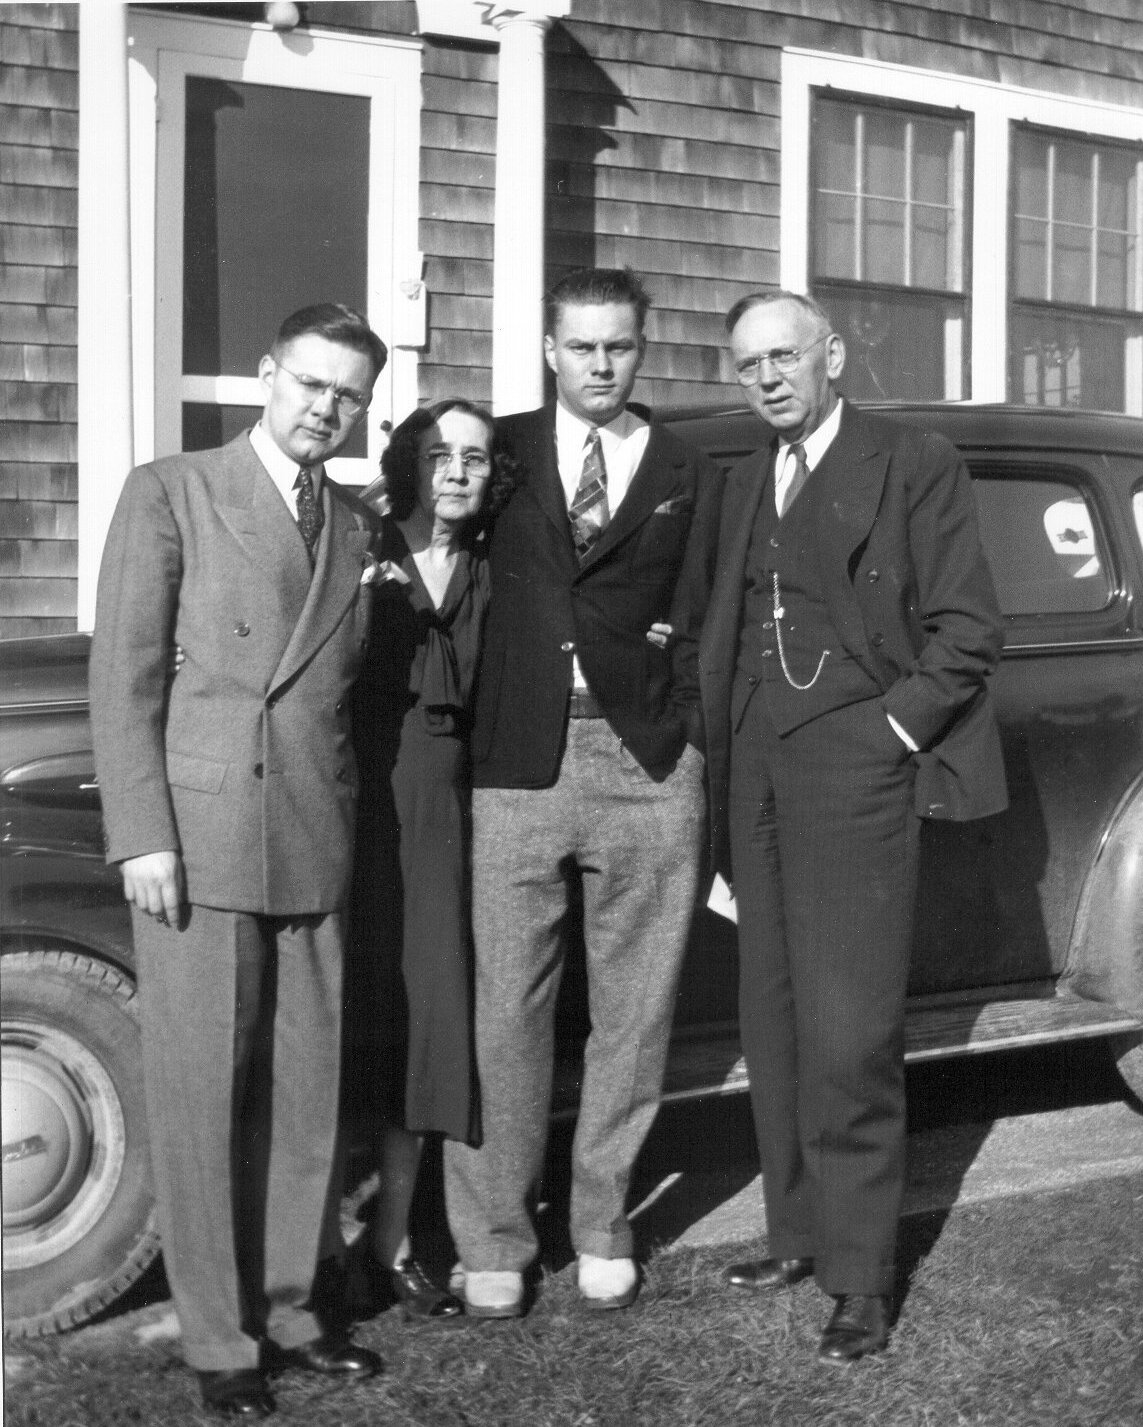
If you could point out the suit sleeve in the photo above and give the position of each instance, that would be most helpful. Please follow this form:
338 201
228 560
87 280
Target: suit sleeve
692 594
136 603
958 627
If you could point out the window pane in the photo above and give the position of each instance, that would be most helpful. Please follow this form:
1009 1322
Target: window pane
884 155
884 242
1040 541
276 210
1030 164
1059 359
834 236
1031 275
931 248
1071 265
834 147
1071 189
932 146
895 342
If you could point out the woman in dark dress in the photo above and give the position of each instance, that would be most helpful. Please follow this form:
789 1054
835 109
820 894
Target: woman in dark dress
410 911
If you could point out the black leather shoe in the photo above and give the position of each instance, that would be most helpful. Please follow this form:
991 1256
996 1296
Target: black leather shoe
237 1392
333 1356
859 1325
762 1275
419 1296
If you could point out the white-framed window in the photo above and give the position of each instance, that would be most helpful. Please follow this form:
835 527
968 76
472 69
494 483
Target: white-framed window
889 255
978 333
269 171
1077 270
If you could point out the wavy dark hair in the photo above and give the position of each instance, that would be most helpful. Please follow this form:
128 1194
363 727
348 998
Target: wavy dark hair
398 478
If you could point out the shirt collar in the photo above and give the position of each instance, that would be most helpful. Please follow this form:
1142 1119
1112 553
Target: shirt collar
282 469
572 428
817 443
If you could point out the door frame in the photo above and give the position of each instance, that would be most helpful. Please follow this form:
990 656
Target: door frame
163 50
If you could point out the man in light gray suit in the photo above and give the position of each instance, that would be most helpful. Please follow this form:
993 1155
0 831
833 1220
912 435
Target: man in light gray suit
229 796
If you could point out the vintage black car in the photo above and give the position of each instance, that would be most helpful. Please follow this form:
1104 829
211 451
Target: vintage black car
1030 924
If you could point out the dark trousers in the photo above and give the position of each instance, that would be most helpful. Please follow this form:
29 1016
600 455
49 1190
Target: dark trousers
241 1018
824 852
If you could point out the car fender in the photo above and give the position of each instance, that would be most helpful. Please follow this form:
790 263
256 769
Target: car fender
1105 953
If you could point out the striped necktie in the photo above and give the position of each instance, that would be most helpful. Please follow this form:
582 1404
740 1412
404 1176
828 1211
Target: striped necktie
797 480
589 512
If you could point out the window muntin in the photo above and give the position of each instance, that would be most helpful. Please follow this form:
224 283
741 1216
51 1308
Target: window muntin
1075 338
889 257
1043 545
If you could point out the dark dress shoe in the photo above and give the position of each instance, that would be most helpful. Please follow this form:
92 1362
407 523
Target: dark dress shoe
333 1355
419 1296
236 1392
762 1275
859 1325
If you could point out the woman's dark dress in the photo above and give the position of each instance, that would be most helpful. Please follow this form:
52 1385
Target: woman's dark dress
409 921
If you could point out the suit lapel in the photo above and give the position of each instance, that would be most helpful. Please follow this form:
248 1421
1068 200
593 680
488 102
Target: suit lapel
651 484
846 489
536 448
342 555
251 508
741 499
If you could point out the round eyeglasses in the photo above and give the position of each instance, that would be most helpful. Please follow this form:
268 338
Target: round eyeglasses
349 403
784 360
477 466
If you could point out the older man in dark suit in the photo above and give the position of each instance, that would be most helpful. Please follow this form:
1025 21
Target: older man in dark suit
843 664
229 796
584 777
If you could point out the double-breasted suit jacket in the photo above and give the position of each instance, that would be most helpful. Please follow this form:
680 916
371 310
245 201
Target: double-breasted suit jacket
243 761
908 592
653 562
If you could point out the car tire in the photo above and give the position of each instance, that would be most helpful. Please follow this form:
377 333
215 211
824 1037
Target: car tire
1128 1053
79 1220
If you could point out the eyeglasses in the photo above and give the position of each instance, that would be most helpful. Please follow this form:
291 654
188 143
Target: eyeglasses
477 466
784 360
349 403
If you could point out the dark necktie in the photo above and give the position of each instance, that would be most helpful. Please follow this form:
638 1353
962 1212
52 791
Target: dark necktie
588 511
798 480
310 518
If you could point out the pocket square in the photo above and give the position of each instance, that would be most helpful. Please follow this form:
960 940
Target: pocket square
675 506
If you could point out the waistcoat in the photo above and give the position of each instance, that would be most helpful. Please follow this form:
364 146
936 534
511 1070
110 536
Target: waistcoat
782 570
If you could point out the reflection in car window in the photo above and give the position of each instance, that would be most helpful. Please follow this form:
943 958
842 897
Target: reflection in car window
1137 502
1042 545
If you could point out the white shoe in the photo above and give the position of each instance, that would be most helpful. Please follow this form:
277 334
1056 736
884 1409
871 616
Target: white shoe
493 1293
607 1283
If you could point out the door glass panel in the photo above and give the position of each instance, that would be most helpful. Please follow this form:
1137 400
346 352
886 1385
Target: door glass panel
276 215
206 426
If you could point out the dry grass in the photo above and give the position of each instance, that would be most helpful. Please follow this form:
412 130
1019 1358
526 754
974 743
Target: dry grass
1024 1311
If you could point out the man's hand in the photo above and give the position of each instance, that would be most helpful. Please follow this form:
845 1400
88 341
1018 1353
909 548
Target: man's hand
155 883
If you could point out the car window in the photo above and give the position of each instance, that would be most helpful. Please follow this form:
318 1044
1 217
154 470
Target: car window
1043 545
1137 503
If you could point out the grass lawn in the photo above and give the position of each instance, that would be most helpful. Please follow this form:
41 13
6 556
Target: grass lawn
1017 1311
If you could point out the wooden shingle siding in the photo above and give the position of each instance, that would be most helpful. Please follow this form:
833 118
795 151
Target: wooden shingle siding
39 164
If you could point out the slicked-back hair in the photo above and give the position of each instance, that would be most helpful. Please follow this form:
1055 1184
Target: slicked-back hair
398 479
336 323
766 299
596 287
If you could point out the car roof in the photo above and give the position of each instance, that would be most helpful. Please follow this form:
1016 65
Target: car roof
43 669
969 424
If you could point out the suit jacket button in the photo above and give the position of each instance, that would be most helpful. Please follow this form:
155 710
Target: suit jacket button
773 543
567 646
339 707
877 640
767 654
242 629
752 678
874 576
257 770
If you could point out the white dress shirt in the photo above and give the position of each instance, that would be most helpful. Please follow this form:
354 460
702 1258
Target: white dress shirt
282 469
624 441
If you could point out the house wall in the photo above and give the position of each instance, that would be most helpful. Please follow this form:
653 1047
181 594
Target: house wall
663 143
38 199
